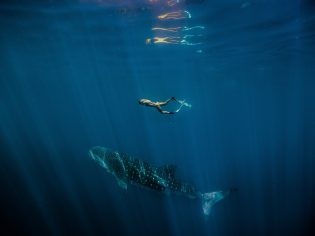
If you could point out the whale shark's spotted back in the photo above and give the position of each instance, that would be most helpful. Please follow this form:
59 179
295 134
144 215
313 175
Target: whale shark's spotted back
136 171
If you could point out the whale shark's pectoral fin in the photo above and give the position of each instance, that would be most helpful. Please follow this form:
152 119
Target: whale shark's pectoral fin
122 183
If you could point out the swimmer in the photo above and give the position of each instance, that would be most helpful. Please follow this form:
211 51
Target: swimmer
158 105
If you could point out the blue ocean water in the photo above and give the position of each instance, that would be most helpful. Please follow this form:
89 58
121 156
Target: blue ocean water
71 73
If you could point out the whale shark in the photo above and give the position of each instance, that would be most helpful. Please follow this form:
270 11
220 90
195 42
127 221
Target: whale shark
129 170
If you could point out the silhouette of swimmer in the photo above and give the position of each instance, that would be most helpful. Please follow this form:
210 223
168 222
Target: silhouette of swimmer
158 105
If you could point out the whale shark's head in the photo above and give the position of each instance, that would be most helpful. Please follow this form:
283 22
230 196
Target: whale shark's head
107 158
99 155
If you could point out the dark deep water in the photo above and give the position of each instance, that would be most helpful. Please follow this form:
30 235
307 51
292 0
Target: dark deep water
71 75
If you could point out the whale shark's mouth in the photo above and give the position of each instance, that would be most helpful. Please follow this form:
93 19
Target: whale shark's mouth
98 159
92 155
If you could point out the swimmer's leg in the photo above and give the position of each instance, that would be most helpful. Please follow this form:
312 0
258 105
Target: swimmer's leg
165 112
167 101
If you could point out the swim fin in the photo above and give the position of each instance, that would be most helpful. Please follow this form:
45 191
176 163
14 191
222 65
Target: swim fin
180 107
182 102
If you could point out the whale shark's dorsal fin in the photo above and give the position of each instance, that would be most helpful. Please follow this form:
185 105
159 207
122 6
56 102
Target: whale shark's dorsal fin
167 171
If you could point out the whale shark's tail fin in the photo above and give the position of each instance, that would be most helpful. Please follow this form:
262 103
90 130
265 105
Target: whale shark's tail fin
209 199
